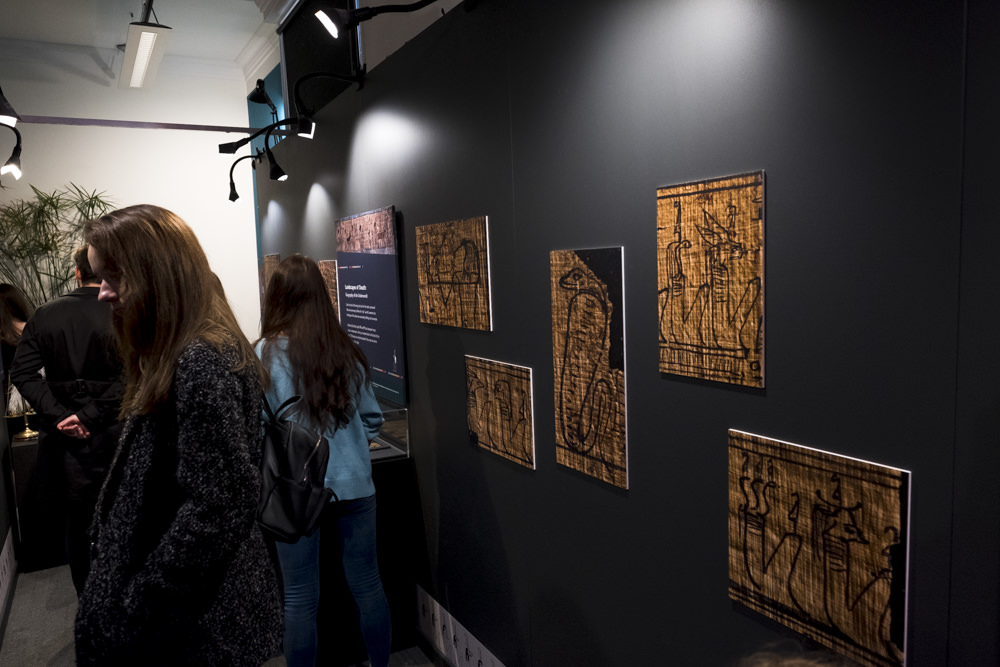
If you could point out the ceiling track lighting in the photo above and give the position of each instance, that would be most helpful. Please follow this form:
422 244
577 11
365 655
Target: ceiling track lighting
259 96
256 157
144 48
337 21
8 116
13 165
276 172
306 127
234 146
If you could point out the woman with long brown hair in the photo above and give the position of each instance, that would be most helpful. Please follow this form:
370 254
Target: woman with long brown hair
180 571
15 310
307 353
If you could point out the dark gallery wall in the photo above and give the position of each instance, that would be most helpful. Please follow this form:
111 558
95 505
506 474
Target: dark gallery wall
875 126
975 572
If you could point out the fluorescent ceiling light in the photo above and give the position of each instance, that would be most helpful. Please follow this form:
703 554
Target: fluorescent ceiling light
144 50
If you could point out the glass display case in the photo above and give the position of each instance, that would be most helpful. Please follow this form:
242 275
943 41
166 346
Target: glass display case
394 440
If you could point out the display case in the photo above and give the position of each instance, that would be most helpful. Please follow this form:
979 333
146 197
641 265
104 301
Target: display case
393 442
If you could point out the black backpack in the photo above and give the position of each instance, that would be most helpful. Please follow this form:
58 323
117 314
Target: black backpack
293 491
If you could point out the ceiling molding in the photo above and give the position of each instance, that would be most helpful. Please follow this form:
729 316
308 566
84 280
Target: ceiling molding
260 55
276 11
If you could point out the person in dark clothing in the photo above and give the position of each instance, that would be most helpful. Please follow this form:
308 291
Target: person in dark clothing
68 369
181 574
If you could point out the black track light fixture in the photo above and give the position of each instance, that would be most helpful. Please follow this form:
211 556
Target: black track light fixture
256 157
13 165
234 146
276 172
259 96
337 21
306 127
8 116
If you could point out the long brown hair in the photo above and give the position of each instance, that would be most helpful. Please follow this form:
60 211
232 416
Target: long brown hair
14 307
328 367
168 298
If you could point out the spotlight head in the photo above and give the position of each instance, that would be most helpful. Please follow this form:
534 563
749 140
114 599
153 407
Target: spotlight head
305 127
276 173
13 165
232 146
233 195
259 96
335 21
8 116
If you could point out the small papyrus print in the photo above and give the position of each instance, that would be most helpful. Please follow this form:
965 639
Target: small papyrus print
588 353
453 274
818 542
267 266
710 264
499 407
328 269
372 232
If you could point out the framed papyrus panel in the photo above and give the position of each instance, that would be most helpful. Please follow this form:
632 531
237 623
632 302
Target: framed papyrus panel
499 402
373 232
328 269
267 266
588 352
453 274
710 267
819 542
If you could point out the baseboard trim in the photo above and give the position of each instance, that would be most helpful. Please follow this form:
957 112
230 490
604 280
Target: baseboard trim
8 579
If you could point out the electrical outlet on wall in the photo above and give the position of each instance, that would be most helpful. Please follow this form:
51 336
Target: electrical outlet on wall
7 569
426 616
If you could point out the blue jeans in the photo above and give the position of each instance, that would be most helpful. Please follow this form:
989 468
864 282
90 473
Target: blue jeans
300 572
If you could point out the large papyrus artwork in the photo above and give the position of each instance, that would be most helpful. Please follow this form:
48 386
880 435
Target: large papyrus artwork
588 352
710 263
818 542
500 409
453 274
372 232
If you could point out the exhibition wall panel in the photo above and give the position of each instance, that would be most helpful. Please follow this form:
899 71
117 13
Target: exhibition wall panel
559 121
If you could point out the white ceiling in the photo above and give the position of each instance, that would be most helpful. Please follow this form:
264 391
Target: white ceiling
208 29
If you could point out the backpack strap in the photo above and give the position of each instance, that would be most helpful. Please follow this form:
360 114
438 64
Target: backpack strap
281 408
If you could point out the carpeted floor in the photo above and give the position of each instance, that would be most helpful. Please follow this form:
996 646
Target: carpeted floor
40 626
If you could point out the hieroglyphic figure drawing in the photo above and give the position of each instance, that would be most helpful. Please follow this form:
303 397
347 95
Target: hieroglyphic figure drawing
453 274
499 409
328 269
372 232
818 542
267 266
710 263
588 351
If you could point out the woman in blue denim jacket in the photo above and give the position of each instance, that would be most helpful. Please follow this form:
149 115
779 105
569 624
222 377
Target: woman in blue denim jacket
307 353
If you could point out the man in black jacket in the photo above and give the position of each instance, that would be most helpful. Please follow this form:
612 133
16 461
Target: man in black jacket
67 367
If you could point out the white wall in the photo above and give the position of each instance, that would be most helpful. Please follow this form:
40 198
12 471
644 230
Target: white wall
180 170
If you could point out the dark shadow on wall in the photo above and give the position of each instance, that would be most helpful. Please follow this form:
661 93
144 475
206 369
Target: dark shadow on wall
569 636
470 574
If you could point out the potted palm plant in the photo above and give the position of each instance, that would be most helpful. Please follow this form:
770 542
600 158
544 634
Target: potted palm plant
39 236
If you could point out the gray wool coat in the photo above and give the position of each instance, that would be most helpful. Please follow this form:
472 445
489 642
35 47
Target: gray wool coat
180 573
